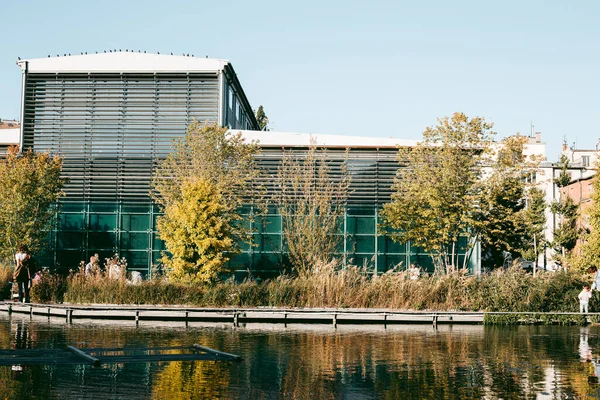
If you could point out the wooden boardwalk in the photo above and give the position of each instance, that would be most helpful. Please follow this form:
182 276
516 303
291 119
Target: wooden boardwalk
238 316
244 315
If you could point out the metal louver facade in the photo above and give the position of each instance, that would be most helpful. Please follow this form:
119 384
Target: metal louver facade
110 128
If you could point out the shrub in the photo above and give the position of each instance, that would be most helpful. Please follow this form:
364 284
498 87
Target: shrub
6 273
48 287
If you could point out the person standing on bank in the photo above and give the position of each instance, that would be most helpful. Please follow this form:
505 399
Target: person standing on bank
596 278
22 274
584 298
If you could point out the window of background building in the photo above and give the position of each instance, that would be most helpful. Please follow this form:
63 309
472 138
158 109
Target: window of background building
230 99
585 160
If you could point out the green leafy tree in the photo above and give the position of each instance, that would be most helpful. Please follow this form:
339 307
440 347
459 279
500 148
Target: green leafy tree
534 222
567 233
497 221
311 205
510 213
438 187
30 184
201 187
263 120
563 178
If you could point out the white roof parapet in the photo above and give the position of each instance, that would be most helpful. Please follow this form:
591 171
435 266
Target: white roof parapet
10 136
122 62
289 139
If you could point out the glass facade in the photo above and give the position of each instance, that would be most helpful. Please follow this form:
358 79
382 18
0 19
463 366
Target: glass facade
129 229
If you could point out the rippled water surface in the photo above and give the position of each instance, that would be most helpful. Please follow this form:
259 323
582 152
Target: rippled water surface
311 361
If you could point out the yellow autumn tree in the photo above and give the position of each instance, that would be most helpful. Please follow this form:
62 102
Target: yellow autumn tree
198 231
201 187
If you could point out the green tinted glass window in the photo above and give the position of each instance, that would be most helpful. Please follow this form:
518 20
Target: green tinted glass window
272 224
271 243
360 225
103 207
157 243
103 222
135 222
69 259
462 244
240 260
69 240
339 224
339 248
353 210
243 223
136 258
365 225
246 246
362 244
137 241
139 208
387 245
266 261
72 207
424 262
102 240
245 210
71 222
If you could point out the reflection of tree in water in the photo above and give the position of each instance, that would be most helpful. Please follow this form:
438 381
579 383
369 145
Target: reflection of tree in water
430 365
192 380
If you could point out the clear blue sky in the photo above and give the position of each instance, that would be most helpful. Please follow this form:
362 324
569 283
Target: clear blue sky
379 68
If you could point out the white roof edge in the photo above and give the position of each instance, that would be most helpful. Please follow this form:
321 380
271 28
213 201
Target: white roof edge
291 139
10 136
123 62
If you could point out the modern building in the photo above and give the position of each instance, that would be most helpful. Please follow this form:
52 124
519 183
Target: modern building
112 116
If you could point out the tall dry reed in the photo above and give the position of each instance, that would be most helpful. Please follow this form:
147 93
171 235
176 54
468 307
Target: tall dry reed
333 287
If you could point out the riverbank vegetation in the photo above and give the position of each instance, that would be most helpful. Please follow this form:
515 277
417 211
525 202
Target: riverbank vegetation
329 286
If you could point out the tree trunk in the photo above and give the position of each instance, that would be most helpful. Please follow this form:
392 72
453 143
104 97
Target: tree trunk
452 262
535 255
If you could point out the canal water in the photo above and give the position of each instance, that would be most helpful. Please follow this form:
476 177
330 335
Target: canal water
311 361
